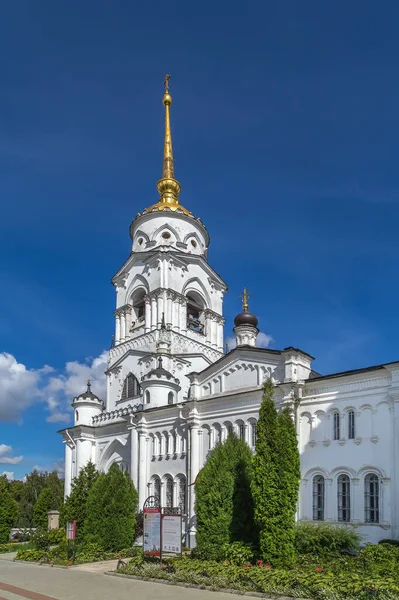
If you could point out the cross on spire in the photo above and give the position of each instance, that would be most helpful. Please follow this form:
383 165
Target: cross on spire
245 297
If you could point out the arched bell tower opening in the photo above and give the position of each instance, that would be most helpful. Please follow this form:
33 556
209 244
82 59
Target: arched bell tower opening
195 312
138 302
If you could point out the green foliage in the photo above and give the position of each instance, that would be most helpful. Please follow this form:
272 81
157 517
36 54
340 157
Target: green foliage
336 580
43 505
74 508
40 539
224 506
323 539
8 510
28 495
391 542
56 536
237 553
111 510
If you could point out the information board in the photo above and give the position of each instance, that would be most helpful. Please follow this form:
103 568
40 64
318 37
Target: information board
171 533
152 531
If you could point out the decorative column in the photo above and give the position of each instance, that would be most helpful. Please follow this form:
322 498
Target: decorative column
134 456
183 316
175 494
117 327
123 325
142 477
194 468
128 318
153 312
68 469
169 304
247 434
147 319
160 309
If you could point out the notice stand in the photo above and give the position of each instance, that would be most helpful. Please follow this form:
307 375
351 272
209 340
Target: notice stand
171 533
152 527
71 537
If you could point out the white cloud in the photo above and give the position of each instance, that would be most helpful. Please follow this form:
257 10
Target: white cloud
6 458
9 475
58 465
20 387
263 340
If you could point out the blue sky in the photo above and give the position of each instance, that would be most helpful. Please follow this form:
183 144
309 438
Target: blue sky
286 140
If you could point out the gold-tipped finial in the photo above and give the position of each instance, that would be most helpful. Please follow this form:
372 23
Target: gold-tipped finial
245 297
168 187
89 385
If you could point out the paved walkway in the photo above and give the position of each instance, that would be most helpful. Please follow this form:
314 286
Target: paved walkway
21 581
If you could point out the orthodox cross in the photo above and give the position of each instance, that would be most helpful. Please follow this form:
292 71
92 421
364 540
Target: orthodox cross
166 83
245 297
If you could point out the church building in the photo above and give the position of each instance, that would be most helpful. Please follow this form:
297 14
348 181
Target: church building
172 392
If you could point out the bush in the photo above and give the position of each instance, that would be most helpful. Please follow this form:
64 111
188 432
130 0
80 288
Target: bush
323 539
111 510
56 536
390 542
224 507
40 540
381 559
8 510
74 508
237 553
139 525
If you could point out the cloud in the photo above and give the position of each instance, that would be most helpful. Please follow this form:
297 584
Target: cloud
263 340
58 466
6 458
21 388
9 475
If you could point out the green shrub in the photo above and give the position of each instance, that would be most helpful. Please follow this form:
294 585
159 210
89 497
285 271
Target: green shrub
43 505
224 507
323 538
237 553
56 536
40 540
390 542
207 551
8 510
111 510
74 508
381 559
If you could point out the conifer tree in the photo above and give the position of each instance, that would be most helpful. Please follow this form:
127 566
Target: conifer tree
111 510
74 508
265 480
289 475
224 507
8 510
43 505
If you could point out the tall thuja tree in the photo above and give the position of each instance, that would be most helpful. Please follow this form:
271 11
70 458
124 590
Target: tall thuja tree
111 510
224 507
8 510
266 484
43 505
289 477
74 508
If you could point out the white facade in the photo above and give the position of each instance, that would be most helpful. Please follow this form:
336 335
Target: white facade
172 394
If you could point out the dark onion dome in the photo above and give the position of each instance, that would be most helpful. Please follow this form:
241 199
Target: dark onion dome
88 394
246 318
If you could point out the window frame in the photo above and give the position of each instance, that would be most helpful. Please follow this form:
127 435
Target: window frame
344 498
318 497
371 513
351 424
336 426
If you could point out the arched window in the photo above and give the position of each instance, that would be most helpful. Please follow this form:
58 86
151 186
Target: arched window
170 398
154 445
157 488
174 442
131 387
253 435
351 425
169 493
195 308
336 426
139 305
241 431
182 495
344 498
318 498
371 498
147 397
229 429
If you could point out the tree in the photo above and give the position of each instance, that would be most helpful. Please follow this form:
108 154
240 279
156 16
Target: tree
111 510
275 481
8 510
224 507
289 475
74 508
43 505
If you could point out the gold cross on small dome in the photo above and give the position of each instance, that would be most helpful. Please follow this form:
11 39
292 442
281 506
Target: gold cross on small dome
245 297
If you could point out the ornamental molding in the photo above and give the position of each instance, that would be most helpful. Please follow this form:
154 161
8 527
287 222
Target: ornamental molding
352 386
120 413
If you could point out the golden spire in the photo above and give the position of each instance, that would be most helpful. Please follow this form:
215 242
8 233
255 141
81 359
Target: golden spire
168 187
245 297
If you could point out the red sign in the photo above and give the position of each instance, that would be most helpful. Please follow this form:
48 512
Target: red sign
71 530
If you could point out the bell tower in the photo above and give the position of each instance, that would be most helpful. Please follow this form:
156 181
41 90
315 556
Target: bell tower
168 298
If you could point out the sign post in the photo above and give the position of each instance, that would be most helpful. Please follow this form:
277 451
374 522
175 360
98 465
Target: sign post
71 536
152 531
171 533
